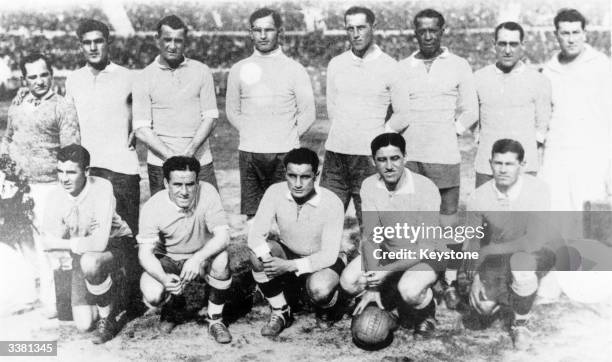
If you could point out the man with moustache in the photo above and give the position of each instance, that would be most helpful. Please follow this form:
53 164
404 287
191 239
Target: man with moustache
514 101
360 84
175 107
39 123
271 104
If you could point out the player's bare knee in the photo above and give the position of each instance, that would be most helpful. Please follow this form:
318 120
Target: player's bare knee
219 268
522 261
411 292
152 290
256 264
91 265
319 289
352 283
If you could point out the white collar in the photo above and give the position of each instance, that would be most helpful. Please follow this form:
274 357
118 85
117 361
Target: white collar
518 68
165 66
406 184
110 67
372 54
414 60
513 192
314 201
587 54
275 53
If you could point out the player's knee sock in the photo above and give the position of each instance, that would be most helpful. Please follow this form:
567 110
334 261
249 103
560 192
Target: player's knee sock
426 301
103 294
524 286
219 293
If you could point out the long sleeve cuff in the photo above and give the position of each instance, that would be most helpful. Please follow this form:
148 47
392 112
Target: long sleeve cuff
210 113
139 123
74 245
303 266
540 137
261 250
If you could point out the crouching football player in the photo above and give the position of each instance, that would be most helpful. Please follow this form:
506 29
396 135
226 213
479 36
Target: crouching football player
81 218
183 236
310 222
519 247
405 284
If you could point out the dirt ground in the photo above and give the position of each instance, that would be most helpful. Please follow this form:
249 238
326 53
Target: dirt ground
565 331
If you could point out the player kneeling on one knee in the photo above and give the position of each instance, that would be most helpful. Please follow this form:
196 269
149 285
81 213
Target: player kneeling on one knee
183 236
310 222
405 283
81 224
519 251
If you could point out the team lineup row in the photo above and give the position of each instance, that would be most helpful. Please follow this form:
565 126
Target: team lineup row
427 99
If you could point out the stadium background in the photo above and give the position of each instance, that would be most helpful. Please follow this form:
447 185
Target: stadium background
313 36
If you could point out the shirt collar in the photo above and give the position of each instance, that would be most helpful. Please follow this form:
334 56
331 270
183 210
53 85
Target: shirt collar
587 54
414 60
518 68
111 67
275 53
31 99
512 193
406 184
372 54
161 65
314 201
79 198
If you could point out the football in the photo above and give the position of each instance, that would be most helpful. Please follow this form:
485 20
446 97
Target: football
373 328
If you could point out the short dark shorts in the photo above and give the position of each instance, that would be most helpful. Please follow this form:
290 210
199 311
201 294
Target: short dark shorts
443 175
257 172
119 247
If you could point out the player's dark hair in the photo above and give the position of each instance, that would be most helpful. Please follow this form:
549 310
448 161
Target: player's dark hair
369 14
264 12
512 26
429 13
180 163
173 22
569 15
31 58
388 139
302 156
88 25
75 153
506 145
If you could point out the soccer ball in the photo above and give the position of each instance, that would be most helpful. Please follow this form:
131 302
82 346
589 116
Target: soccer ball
373 328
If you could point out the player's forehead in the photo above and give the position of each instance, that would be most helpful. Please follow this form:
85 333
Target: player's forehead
426 22
299 169
182 176
358 19
570 26
388 151
507 35
93 35
36 67
68 166
505 157
167 32
266 22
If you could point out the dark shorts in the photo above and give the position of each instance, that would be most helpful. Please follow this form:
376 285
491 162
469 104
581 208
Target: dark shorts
257 172
496 275
156 176
389 293
119 247
446 178
126 189
280 250
343 175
